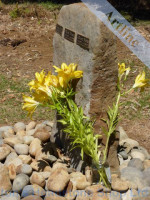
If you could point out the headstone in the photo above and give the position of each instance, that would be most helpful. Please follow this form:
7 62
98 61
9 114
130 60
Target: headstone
83 39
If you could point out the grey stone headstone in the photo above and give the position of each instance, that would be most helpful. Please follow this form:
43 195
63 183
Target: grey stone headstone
83 39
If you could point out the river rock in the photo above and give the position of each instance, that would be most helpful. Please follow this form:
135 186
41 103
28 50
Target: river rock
10 196
26 159
46 175
82 195
4 152
12 141
10 157
7 134
30 132
124 155
30 126
38 179
3 129
19 126
58 165
42 134
33 190
5 184
17 161
58 180
32 197
28 139
21 149
79 180
24 169
119 185
137 154
20 182
34 146
128 144
93 189
146 174
122 134
134 175
146 164
136 162
1 142
12 171
53 196
40 155
21 133
48 123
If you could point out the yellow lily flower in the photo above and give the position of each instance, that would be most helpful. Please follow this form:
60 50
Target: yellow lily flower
140 81
67 73
29 105
51 80
39 79
121 69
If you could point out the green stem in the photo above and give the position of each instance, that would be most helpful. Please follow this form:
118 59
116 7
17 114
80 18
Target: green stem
110 127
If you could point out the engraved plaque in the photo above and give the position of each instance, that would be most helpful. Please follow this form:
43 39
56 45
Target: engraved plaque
83 42
69 35
59 29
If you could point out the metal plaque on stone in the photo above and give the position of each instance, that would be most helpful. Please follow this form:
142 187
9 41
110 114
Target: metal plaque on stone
83 42
59 29
69 35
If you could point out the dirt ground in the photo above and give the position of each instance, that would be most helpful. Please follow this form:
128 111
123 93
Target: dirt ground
26 47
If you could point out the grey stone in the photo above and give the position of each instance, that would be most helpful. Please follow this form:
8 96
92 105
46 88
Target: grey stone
32 190
1 142
28 139
128 144
135 153
19 126
137 163
48 123
4 152
134 175
123 134
30 126
97 88
20 182
124 155
144 151
11 157
10 196
21 149
26 169
146 174
5 129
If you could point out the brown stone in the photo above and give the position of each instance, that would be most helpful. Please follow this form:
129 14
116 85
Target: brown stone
12 171
4 152
34 146
26 159
42 134
58 180
12 141
119 185
38 179
93 189
5 184
99 196
146 164
79 180
32 197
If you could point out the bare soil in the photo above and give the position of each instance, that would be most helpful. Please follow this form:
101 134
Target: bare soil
26 46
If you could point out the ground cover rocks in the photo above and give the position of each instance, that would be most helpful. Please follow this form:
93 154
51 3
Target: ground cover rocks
36 169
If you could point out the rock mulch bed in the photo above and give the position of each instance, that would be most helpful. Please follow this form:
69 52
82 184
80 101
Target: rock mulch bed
32 168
